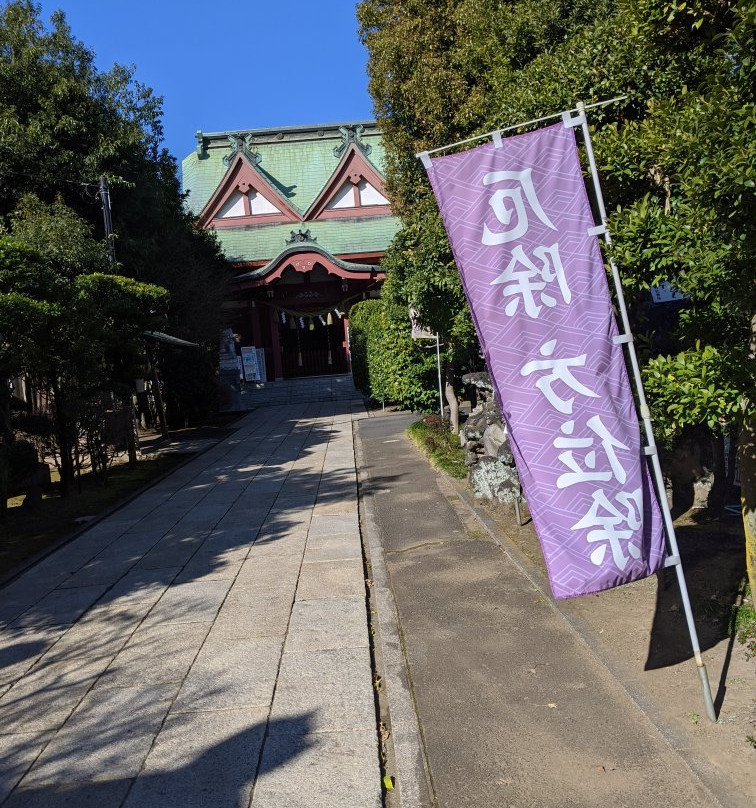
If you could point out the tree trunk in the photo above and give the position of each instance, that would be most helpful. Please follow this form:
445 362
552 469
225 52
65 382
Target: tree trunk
158 398
131 438
6 431
64 444
718 493
453 401
747 457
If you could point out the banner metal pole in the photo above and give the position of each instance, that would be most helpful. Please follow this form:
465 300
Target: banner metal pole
673 560
438 363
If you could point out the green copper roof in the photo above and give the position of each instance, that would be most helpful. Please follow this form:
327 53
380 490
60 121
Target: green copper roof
298 167
338 236
298 162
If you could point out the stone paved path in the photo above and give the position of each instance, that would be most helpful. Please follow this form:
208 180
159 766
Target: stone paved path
206 645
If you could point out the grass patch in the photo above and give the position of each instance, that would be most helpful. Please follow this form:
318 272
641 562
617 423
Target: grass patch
743 623
432 436
28 532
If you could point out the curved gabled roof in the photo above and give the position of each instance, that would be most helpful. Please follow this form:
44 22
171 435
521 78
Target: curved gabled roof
299 255
253 187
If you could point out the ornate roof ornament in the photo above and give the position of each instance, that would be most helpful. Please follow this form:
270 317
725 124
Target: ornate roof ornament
242 144
349 135
300 236
200 148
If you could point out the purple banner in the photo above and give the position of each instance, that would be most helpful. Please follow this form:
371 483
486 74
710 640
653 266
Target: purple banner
519 221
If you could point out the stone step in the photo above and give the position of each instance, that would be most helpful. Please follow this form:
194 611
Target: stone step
296 391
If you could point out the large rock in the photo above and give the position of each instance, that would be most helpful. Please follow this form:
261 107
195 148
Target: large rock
488 451
471 458
491 479
480 380
505 454
509 488
494 436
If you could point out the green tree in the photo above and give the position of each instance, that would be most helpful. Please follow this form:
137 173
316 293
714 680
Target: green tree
85 324
432 74
63 124
676 158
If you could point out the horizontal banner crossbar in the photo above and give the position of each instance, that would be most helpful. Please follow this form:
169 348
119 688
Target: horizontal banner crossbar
424 155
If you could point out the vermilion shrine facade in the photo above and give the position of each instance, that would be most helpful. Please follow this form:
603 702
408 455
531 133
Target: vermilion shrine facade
302 214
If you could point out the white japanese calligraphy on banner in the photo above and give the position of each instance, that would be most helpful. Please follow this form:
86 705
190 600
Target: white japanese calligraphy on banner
519 222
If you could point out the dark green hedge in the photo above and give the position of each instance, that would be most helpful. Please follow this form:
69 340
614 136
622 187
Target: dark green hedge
387 364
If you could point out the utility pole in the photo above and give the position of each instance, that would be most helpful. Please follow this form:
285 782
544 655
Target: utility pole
107 219
132 432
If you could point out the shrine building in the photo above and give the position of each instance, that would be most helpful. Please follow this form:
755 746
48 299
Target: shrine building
302 214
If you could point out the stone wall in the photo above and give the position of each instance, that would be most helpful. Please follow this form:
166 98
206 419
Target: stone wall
484 437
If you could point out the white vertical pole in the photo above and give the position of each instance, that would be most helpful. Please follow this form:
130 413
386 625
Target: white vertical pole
651 451
440 392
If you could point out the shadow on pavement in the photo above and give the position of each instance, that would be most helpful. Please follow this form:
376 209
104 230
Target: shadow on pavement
193 534
221 776
714 565
174 551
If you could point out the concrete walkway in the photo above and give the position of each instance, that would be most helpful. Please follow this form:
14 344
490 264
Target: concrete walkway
495 700
206 645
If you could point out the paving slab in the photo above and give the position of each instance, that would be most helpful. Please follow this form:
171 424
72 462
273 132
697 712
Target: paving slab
327 525
71 795
333 548
193 602
62 607
278 544
202 760
156 654
331 579
334 687
212 566
173 550
140 586
327 623
328 505
263 570
319 770
102 632
102 570
107 738
262 614
45 697
20 649
232 673
17 753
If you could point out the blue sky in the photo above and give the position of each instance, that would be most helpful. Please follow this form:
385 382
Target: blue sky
231 65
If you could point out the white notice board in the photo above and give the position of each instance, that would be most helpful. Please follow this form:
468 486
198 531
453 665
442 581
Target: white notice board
250 364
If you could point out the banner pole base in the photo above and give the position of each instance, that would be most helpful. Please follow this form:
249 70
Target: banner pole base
706 688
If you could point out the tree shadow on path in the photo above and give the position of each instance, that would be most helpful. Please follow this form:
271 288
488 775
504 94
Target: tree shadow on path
222 776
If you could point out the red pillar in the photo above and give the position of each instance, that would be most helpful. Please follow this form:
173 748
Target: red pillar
256 330
276 344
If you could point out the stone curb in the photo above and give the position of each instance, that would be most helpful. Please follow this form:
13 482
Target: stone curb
404 748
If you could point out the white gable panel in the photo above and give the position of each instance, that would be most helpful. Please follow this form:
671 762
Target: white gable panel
234 206
344 198
259 204
370 195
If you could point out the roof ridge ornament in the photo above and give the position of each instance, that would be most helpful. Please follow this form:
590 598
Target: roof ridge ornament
301 236
242 144
349 135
